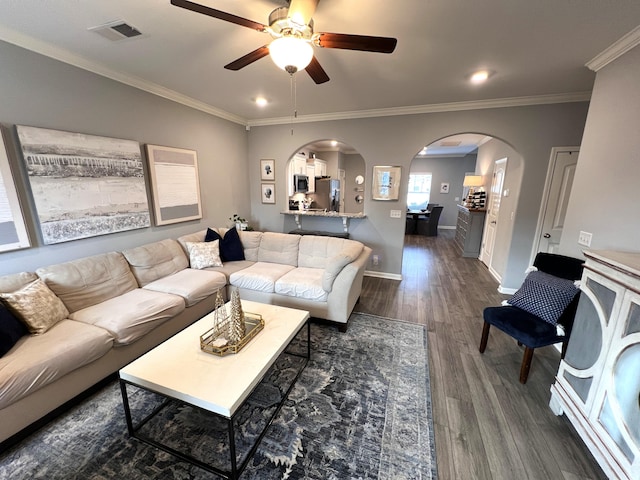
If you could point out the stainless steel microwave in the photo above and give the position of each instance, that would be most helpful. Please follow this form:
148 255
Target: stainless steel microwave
300 183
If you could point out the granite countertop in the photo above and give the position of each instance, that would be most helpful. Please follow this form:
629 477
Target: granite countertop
322 213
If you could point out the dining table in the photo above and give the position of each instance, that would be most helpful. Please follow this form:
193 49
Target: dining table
415 215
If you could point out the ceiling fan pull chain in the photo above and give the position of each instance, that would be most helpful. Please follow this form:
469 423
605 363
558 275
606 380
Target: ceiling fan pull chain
293 102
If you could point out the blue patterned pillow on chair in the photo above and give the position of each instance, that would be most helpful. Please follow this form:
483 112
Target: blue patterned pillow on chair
544 296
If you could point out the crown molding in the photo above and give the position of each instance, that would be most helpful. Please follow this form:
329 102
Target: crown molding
37 46
619 48
435 108
43 48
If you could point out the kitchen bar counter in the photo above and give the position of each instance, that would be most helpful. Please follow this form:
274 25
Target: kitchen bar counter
322 213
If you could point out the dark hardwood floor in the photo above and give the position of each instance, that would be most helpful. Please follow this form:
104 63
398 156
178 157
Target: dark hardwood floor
487 425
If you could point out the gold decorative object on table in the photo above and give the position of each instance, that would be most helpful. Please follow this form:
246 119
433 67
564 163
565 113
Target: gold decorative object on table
232 328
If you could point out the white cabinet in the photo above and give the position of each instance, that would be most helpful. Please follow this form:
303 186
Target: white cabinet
299 164
312 180
598 382
320 168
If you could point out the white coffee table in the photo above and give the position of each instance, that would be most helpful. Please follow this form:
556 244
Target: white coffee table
179 369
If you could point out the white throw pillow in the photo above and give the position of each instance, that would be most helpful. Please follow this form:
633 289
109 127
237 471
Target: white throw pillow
204 254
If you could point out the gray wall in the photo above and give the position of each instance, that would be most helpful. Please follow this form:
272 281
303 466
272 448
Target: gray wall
487 155
353 165
532 132
450 170
604 197
42 92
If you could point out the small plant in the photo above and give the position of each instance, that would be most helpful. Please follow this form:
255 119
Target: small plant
240 223
237 219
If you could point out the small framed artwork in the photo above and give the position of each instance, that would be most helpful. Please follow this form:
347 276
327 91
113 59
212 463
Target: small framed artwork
386 183
174 183
268 169
444 187
268 193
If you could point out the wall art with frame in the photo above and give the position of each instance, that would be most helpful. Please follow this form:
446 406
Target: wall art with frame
83 185
268 192
386 182
13 231
175 184
267 169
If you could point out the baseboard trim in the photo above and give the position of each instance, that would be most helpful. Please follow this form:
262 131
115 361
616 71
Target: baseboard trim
447 227
507 291
389 276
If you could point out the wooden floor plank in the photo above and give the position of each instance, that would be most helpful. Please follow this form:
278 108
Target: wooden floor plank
487 425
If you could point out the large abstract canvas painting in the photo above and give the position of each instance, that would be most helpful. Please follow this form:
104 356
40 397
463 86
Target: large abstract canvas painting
84 185
13 233
175 184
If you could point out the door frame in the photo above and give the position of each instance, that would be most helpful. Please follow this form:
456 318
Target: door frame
482 257
545 196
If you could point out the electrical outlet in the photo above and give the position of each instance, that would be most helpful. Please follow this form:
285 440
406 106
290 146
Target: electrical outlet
376 260
585 238
396 214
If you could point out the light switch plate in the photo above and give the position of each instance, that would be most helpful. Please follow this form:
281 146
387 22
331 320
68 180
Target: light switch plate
396 214
585 238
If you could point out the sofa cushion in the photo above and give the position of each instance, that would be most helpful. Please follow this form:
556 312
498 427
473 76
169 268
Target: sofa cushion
251 244
36 305
39 360
11 330
231 267
335 264
279 248
315 251
131 315
15 281
88 281
260 276
302 282
192 285
231 249
156 260
204 254
191 237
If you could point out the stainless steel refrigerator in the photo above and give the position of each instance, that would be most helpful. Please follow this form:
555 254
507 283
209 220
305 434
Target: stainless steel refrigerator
327 194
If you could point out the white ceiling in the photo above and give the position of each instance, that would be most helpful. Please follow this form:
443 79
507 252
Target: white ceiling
536 49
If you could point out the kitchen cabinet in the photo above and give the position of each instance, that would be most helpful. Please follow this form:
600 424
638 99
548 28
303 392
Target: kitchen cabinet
598 385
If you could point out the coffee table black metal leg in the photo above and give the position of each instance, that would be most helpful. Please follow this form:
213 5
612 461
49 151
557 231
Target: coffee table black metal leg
232 450
127 410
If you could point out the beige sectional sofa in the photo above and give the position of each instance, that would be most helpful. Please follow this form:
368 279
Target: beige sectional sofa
121 304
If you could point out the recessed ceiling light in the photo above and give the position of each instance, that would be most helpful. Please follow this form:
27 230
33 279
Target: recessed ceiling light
261 101
334 143
479 77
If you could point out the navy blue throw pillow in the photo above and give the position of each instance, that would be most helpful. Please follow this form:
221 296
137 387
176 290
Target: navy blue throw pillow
544 295
11 330
231 249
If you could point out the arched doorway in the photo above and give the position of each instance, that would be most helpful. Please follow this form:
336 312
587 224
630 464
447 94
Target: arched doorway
323 162
447 162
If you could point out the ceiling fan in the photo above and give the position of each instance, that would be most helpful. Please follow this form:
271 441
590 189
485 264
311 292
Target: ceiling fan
293 37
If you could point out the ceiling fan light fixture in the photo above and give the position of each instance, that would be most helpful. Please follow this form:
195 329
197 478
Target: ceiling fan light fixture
291 54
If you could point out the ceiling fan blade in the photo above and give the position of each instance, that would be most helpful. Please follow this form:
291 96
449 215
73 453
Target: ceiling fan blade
356 42
316 72
248 59
212 12
301 11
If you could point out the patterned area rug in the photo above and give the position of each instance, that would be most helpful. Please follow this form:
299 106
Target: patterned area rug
360 410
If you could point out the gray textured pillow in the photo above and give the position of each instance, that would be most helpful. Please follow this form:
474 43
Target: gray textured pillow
204 254
37 306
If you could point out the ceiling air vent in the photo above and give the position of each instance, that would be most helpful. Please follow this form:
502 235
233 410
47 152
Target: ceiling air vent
116 31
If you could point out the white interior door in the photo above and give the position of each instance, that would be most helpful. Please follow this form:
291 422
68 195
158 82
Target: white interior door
559 182
491 221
